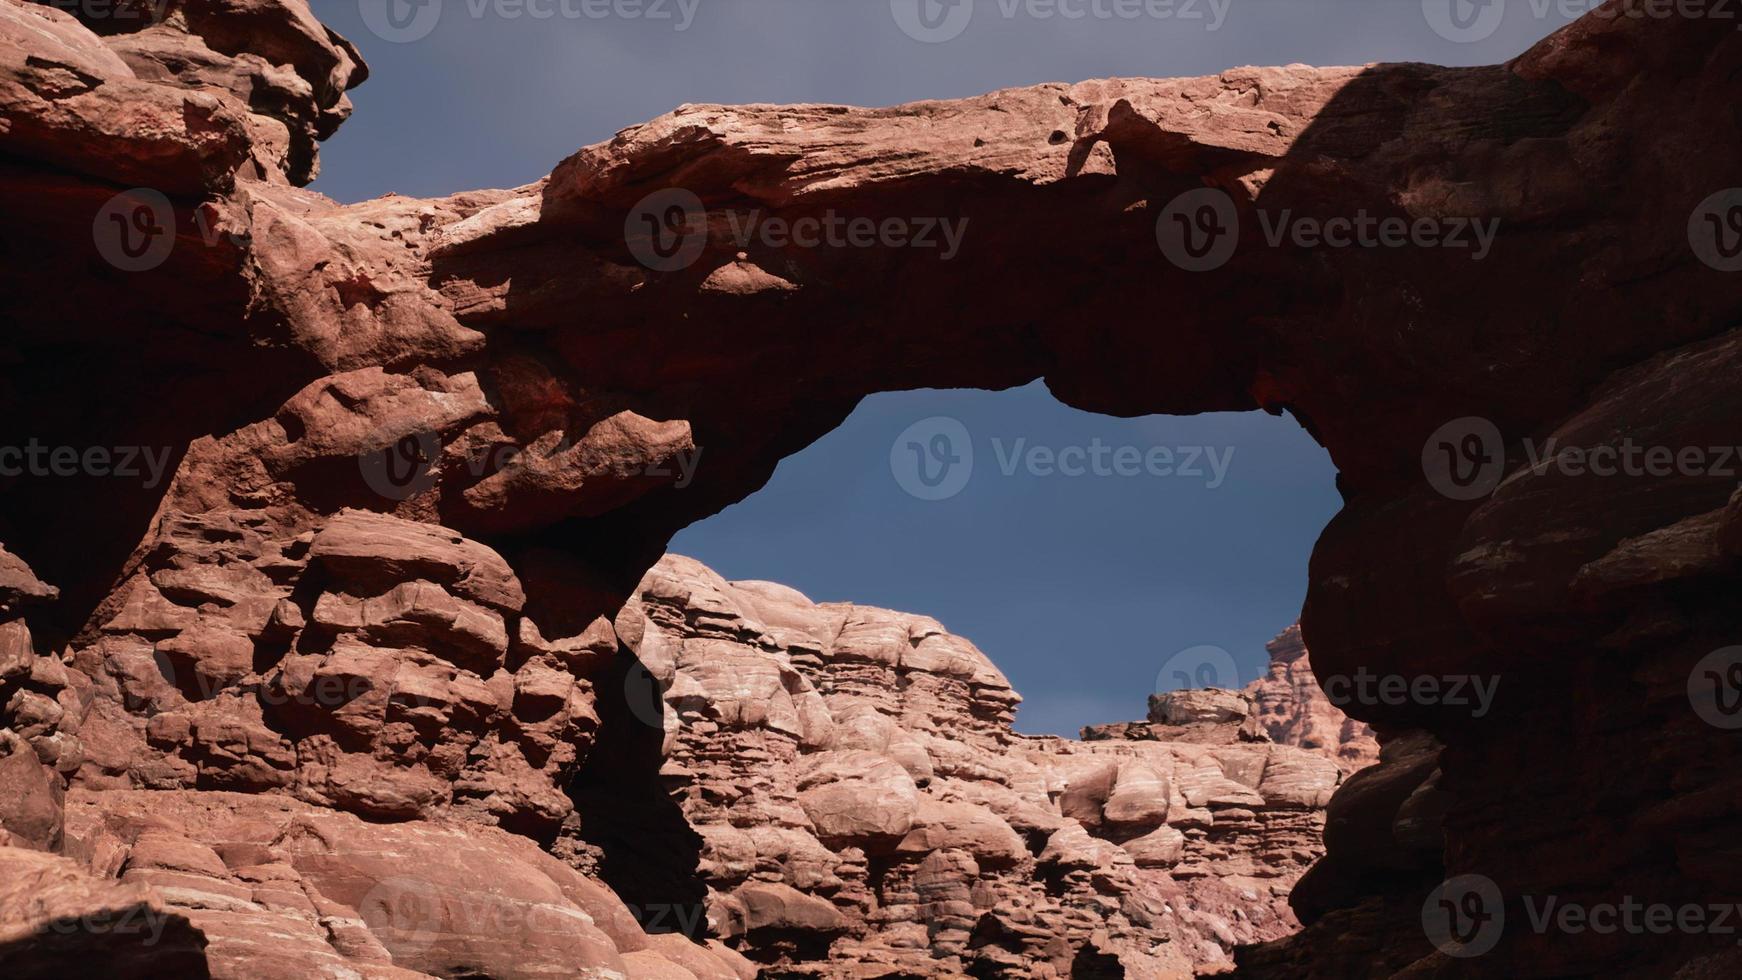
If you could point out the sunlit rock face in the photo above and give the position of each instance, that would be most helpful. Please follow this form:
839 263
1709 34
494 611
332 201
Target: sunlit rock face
1293 708
319 447
862 806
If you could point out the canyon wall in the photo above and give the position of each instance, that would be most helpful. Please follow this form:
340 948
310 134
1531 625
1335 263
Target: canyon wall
327 511
857 804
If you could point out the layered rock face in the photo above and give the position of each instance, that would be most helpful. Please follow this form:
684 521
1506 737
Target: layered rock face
863 808
1293 708
346 407
369 664
37 751
302 753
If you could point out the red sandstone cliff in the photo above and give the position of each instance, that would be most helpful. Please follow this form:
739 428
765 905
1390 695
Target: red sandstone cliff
1294 710
337 679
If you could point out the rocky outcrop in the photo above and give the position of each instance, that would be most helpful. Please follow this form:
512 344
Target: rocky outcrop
365 663
180 96
1293 709
284 889
58 914
39 746
209 368
861 806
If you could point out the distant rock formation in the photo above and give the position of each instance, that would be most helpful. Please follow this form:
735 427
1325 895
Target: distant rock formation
863 807
1293 708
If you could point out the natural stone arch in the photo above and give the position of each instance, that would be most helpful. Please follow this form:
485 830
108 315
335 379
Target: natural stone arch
499 318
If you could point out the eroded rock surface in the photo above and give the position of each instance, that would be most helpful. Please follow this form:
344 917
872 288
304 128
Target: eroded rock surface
39 745
501 365
863 807
1293 709
365 663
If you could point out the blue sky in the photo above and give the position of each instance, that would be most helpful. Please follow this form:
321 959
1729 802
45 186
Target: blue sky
1080 587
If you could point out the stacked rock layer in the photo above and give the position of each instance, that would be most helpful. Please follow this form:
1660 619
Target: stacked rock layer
344 407
863 807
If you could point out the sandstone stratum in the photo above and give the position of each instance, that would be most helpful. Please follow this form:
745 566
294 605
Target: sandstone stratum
296 709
